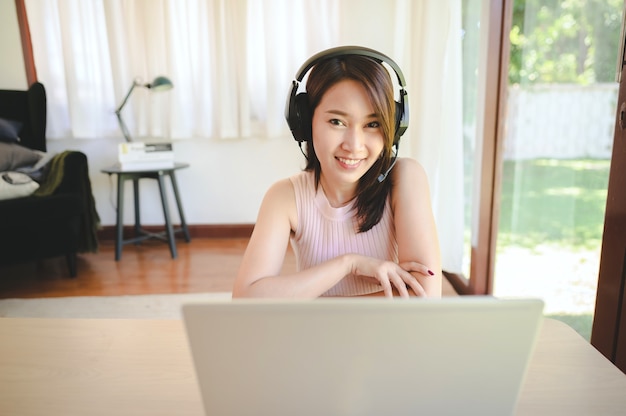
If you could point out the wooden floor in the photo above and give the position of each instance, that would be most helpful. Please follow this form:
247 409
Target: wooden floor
203 265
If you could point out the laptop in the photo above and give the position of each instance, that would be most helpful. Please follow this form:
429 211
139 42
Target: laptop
365 356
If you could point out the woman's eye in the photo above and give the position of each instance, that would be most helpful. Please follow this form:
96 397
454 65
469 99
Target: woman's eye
336 122
373 125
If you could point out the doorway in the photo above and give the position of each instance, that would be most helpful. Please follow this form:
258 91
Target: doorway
561 101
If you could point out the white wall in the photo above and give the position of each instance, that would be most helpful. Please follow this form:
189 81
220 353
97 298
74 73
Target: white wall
561 121
224 184
12 72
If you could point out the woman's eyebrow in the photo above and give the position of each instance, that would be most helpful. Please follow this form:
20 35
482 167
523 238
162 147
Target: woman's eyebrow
337 112
344 114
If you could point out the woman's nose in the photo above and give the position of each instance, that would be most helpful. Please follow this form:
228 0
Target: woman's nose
353 139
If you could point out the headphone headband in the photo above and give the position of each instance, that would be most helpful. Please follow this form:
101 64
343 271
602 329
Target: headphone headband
298 113
349 50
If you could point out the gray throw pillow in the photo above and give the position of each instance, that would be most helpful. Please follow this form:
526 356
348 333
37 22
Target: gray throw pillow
10 130
13 156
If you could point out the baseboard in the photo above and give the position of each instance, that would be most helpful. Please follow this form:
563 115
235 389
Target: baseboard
195 231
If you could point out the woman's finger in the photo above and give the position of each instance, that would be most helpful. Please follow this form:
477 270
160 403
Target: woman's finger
417 288
399 283
414 284
386 288
413 266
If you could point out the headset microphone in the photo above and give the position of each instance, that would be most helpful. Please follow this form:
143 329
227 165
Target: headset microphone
383 176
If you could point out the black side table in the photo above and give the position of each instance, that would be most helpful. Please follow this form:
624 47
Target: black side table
140 234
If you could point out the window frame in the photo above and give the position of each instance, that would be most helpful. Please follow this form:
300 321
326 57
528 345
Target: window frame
493 76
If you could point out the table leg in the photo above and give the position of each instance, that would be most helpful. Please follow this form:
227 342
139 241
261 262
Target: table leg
166 213
137 210
183 223
119 226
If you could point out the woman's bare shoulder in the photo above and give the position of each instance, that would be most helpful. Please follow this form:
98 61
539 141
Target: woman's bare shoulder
408 169
279 203
409 181
280 192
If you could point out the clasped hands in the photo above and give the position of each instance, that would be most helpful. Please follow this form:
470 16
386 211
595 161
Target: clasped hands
393 277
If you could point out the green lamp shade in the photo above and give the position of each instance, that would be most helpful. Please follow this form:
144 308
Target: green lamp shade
161 84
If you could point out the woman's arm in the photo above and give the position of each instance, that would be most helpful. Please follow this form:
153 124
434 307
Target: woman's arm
259 273
416 232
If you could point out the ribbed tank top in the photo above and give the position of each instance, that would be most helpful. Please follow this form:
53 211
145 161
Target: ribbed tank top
324 232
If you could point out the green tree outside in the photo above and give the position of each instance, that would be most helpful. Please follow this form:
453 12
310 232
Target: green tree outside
571 41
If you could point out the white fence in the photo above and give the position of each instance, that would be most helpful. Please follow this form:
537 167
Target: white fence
560 121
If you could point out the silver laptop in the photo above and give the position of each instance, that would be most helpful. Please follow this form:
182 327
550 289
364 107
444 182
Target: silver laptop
373 356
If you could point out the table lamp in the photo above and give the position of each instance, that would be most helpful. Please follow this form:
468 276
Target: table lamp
160 83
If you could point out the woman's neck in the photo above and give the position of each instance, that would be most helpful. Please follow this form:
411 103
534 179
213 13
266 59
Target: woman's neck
338 196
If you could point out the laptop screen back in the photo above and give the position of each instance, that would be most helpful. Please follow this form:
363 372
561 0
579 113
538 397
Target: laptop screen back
375 356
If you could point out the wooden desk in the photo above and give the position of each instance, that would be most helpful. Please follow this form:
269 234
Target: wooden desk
140 234
143 367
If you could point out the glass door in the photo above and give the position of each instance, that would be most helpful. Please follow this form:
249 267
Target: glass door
561 102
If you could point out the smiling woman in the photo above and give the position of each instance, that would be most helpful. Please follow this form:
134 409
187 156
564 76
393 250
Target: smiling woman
353 230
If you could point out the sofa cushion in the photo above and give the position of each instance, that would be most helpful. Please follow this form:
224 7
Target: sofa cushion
9 130
13 156
16 185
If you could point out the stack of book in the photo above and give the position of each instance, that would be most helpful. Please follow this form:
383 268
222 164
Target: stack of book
142 156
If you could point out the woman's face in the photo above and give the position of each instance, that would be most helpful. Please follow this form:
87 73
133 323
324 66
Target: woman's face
347 135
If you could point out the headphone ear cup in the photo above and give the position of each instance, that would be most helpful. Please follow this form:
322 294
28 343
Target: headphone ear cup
301 122
402 118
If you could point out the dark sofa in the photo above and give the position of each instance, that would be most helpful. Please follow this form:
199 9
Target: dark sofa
61 220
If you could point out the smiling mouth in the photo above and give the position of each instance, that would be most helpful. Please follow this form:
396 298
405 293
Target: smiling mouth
349 162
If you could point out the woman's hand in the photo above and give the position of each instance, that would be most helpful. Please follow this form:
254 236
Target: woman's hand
391 275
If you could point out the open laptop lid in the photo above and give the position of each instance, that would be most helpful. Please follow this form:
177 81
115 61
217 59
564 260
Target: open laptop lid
374 356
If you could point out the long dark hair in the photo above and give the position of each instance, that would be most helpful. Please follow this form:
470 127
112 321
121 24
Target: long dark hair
371 195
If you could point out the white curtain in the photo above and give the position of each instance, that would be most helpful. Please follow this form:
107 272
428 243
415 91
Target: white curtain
231 62
436 131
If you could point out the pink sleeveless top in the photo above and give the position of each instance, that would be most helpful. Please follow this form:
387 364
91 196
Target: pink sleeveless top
325 232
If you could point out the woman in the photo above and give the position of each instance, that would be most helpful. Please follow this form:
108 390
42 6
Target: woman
355 230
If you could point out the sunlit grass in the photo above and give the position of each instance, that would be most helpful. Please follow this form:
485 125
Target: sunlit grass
552 215
553 201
